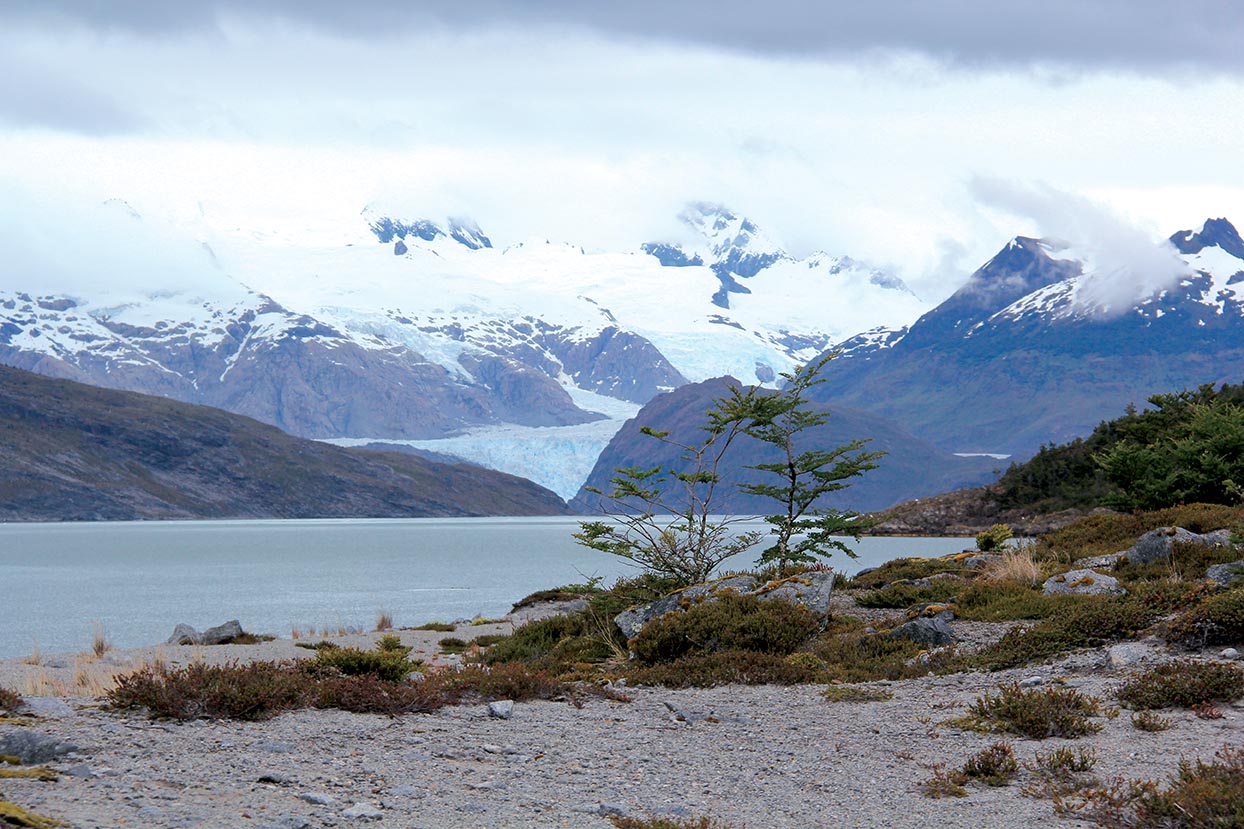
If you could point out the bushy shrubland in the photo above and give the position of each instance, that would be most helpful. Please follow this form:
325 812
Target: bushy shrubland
728 623
1092 622
1183 683
1037 713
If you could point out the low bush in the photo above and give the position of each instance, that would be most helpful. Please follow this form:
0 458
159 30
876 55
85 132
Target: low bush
993 538
390 643
1090 622
627 822
944 784
856 693
1217 620
993 766
1065 762
452 644
1188 562
985 601
905 594
1112 532
708 670
1200 795
437 627
729 623
10 701
482 682
906 569
1036 714
853 656
1182 683
388 665
1149 721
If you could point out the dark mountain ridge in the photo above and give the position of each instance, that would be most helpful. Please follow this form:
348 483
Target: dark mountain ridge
72 452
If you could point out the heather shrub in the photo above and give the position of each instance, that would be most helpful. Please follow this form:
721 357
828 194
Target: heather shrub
906 569
1182 683
729 623
389 665
1036 714
853 656
1217 620
1090 622
985 601
904 594
993 766
10 701
1149 721
627 822
856 693
254 691
708 670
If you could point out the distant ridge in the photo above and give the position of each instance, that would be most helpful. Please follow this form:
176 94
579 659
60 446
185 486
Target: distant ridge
73 452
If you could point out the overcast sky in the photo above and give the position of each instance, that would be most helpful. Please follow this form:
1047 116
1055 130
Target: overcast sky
917 134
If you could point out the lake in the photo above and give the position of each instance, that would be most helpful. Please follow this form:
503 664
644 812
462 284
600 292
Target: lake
139 579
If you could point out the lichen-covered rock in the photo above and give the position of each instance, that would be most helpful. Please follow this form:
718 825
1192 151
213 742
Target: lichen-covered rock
31 747
1225 574
813 590
1083 583
1156 545
927 630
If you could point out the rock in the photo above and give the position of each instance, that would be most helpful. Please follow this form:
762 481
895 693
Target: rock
416 676
979 560
183 634
1108 560
31 747
1229 653
48 708
151 812
221 634
502 709
1126 654
1083 583
364 811
318 798
1225 574
272 777
1156 545
288 822
813 590
1031 682
81 771
925 630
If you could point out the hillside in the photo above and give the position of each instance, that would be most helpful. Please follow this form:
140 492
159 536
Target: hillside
911 468
74 452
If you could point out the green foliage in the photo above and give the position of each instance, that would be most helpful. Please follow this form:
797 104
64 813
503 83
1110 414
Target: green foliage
439 627
851 656
901 595
627 822
906 569
1090 622
801 530
1149 721
389 665
993 538
1218 620
1112 532
1186 448
1064 762
711 669
1037 714
727 623
1183 683
391 642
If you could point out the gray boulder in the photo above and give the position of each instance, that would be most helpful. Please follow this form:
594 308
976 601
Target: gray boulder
31 747
927 630
1156 545
813 590
1226 574
1083 583
183 634
221 634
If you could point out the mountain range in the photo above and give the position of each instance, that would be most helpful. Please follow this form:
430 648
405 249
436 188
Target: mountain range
69 451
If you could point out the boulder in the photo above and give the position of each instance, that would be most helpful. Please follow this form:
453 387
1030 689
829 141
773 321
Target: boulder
1083 583
813 590
31 747
183 634
927 630
1226 574
502 709
221 634
1156 545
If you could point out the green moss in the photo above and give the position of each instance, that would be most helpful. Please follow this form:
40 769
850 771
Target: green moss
11 813
38 773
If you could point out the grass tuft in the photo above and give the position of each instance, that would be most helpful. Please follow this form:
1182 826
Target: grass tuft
1149 721
99 639
384 621
993 766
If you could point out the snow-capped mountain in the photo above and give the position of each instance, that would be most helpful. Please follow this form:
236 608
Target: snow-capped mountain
401 329
1042 343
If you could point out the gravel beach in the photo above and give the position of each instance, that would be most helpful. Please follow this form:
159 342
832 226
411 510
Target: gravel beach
746 756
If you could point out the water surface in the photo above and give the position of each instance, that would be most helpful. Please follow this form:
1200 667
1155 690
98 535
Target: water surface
139 579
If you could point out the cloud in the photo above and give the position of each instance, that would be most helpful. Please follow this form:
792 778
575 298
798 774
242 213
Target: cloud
1142 35
35 94
1124 263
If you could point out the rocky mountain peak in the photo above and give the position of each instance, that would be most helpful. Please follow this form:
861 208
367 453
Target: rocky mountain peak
1218 233
463 231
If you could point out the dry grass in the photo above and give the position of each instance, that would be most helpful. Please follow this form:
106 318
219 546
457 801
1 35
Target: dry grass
34 658
99 639
1016 567
384 621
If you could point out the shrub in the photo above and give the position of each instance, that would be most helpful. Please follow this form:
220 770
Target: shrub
905 594
708 670
999 602
1183 683
516 682
1065 762
255 691
906 569
1036 714
1090 622
626 822
10 701
993 538
452 644
391 642
1218 620
1200 795
389 665
857 657
438 627
724 624
1149 721
944 784
994 766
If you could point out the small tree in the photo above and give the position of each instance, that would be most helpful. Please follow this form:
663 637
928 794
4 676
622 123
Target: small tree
663 519
801 530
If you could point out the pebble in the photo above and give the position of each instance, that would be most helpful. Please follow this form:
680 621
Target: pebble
363 810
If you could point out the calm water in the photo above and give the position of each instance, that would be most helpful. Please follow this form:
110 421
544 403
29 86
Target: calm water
140 579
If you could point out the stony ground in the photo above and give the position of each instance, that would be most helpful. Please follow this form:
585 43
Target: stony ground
757 757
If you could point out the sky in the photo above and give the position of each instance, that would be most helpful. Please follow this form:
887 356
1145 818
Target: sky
919 136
